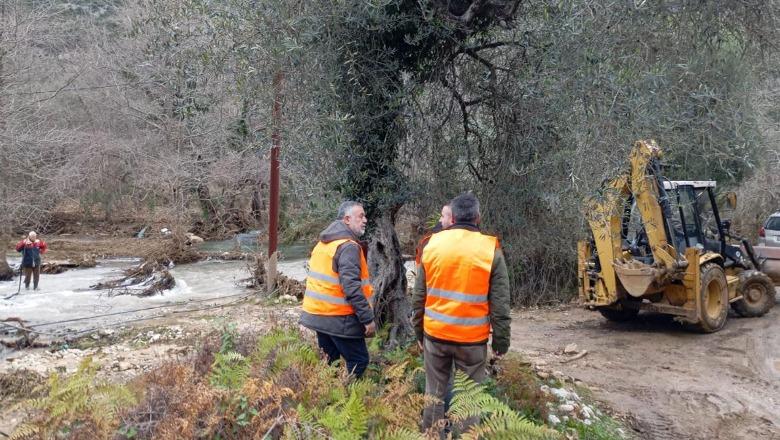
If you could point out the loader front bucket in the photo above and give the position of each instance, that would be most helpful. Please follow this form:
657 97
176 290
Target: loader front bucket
636 277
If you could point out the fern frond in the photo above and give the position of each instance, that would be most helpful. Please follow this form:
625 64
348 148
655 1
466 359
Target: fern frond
233 356
276 338
399 434
229 370
500 421
79 400
346 418
397 371
25 431
470 399
356 415
509 426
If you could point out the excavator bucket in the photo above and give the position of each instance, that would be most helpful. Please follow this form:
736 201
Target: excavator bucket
636 277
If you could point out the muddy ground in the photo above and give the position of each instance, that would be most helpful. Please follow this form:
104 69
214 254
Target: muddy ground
673 383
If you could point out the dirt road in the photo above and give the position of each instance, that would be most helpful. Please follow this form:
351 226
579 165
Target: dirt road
673 383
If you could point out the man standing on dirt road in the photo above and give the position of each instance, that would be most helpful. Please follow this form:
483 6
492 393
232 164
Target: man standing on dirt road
31 249
337 302
461 292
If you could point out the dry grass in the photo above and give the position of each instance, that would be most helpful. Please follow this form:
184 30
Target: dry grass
20 384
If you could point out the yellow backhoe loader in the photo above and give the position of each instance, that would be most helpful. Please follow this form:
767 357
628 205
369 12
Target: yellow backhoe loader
660 245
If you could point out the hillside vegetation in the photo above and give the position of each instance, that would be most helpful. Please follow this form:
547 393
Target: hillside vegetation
156 110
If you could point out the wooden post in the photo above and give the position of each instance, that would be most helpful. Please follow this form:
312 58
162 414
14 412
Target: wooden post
273 218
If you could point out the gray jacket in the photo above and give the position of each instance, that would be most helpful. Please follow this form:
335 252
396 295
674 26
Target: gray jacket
346 262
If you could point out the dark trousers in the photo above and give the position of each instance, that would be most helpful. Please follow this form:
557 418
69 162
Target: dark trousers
36 275
440 359
354 352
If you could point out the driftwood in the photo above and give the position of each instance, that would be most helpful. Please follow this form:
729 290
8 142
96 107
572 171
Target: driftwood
174 250
284 285
146 279
152 277
60 266
25 337
579 355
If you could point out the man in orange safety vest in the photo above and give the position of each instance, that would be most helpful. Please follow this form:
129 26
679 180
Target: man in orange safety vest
461 293
337 303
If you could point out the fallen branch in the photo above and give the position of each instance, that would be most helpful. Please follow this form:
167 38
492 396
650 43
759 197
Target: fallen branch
276 422
579 355
27 337
146 279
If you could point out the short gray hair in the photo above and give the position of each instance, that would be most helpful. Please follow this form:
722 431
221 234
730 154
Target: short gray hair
465 208
345 207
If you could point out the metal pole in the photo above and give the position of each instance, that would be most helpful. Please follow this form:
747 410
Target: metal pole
273 218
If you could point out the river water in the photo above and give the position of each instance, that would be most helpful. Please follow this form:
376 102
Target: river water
67 296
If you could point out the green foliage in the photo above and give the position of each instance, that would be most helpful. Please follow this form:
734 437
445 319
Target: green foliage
517 384
538 114
228 338
282 348
244 412
603 428
229 370
499 421
78 402
399 434
128 432
344 419
281 387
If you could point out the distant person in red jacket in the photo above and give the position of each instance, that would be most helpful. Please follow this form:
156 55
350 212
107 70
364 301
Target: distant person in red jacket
31 249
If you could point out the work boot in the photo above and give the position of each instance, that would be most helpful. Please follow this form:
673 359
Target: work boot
26 287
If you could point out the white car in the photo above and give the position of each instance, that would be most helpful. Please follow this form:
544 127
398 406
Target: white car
769 234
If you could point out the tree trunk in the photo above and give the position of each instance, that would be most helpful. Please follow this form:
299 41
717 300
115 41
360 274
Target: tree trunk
6 273
207 206
389 280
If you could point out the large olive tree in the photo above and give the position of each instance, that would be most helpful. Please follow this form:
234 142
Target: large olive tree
381 53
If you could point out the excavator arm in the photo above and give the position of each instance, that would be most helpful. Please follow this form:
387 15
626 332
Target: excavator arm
605 216
653 203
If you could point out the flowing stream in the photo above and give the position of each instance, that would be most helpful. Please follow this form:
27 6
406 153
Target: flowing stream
67 296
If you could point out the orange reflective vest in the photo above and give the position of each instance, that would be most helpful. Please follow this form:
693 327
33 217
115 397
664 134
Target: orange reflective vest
418 250
324 294
457 266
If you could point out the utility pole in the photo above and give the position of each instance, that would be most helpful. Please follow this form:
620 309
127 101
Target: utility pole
273 218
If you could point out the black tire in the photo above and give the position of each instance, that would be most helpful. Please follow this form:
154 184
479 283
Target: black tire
713 299
619 312
758 294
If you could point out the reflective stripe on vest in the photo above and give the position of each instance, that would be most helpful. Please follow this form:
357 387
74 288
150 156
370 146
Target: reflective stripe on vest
457 265
324 294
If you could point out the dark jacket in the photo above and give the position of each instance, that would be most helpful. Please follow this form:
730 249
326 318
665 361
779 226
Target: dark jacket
31 252
498 299
346 262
